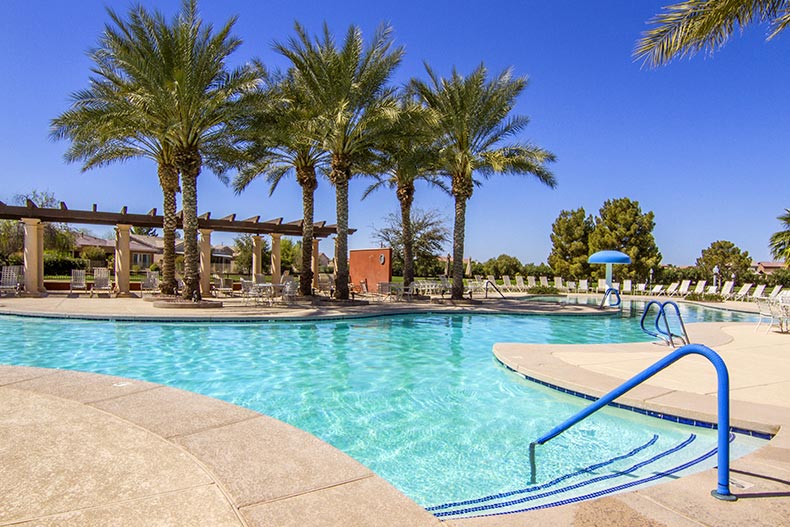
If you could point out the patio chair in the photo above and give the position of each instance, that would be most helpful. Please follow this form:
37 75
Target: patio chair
150 283
627 288
712 290
520 285
250 294
601 285
641 289
726 289
78 281
507 285
683 290
101 281
758 292
259 278
743 292
9 279
775 292
558 283
530 282
571 285
767 311
669 291
222 285
657 290
544 281
699 288
583 287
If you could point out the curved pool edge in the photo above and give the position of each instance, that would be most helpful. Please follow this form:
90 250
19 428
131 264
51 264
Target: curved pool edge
164 454
759 479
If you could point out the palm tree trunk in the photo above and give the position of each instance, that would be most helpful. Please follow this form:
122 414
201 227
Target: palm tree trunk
190 169
406 199
168 180
458 248
308 182
341 264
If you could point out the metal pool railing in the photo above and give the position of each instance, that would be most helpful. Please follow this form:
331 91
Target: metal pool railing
722 490
664 333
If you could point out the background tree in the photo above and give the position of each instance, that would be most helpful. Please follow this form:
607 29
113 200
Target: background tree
686 28
730 260
531 269
570 237
58 237
504 264
472 121
242 254
291 255
780 241
430 236
357 108
622 226
145 231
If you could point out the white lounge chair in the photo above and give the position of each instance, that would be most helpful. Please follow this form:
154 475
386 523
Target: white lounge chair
726 289
583 287
9 279
520 286
670 291
641 289
571 285
657 290
742 292
775 292
758 292
101 280
699 288
78 281
544 281
627 288
558 283
530 282
506 284
712 290
683 290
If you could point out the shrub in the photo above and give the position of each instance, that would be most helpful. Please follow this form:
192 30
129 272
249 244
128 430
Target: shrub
543 290
705 297
154 267
57 264
94 254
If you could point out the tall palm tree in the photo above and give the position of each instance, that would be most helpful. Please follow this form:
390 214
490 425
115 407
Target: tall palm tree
472 122
356 107
280 133
686 28
190 81
107 123
780 241
409 154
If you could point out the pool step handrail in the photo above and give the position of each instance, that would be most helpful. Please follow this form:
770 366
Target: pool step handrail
608 295
664 333
492 284
722 490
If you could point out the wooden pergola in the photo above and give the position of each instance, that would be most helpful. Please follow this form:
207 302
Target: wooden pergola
34 217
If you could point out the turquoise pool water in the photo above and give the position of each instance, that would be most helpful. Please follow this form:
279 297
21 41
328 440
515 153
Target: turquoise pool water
419 399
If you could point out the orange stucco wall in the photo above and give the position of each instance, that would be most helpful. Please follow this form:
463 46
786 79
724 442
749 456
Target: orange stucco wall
366 264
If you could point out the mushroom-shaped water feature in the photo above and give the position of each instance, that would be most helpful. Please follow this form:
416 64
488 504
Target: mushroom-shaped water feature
609 258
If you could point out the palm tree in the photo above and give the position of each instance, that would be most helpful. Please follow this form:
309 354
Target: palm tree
409 154
686 28
280 131
348 86
471 115
780 241
190 82
107 123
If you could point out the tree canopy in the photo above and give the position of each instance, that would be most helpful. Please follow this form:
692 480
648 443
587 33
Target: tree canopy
780 240
728 257
622 226
570 234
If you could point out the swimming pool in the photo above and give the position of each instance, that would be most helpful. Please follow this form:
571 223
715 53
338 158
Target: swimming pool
418 398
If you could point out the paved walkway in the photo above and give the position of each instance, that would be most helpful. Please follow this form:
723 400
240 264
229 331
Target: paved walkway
84 449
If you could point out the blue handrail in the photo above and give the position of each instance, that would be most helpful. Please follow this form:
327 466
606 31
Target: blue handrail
611 292
665 333
722 491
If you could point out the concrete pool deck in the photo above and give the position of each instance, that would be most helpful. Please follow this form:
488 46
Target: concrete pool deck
86 449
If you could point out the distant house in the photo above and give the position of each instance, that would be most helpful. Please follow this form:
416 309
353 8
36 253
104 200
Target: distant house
768 268
143 254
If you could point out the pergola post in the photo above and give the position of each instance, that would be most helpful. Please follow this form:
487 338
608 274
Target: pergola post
123 260
205 261
34 257
257 258
276 275
315 263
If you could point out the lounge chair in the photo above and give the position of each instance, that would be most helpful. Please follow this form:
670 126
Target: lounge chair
775 292
78 281
101 280
601 286
544 281
712 290
641 289
768 312
558 283
506 284
150 283
758 292
530 282
9 279
683 290
726 289
669 291
657 290
743 292
222 286
571 285
583 287
627 288
699 288
520 285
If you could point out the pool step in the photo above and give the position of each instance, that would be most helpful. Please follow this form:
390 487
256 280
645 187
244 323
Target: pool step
624 472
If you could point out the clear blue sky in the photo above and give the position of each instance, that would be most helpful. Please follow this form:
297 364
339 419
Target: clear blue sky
703 143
